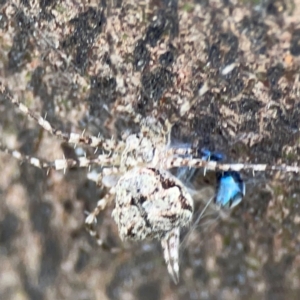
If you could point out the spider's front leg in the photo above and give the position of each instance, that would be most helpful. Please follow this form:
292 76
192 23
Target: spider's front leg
65 163
69 137
177 162
58 164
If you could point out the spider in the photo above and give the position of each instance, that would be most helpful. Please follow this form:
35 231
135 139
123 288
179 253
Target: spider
150 202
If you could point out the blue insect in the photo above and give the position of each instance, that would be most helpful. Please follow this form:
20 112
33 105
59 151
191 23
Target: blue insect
207 155
230 187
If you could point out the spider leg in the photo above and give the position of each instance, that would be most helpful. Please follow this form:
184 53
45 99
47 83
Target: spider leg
61 164
173 162
171 152
74 138
91 221
170 246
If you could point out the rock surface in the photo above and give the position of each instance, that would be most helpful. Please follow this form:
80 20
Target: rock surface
226 73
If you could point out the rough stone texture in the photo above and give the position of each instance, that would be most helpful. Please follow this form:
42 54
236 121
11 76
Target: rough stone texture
224 72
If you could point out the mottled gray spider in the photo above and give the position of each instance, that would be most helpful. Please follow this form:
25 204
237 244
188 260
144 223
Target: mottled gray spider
150 202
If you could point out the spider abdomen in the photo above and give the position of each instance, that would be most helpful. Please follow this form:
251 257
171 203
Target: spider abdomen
150 203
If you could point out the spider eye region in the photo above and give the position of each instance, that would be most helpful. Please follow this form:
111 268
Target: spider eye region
150 203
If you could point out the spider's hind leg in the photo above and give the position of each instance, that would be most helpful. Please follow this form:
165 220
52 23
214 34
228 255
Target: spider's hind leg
91 221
